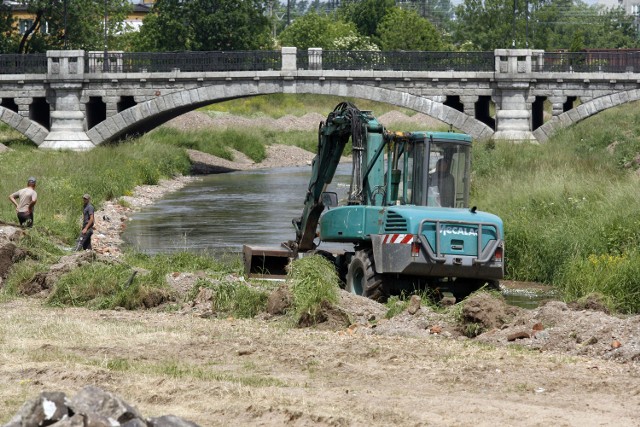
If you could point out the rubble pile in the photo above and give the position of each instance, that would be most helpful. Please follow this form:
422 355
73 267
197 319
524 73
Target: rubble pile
92 407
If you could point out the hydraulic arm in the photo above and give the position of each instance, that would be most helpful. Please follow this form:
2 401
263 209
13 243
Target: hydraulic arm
343 123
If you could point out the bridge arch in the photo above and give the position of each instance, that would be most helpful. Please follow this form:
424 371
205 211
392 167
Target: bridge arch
156 111
583 111
32 130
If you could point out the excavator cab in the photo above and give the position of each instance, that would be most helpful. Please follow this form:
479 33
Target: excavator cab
429 169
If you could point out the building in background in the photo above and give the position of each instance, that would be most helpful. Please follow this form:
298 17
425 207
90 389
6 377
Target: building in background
24 19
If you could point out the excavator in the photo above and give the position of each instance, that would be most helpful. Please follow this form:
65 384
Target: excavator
406 221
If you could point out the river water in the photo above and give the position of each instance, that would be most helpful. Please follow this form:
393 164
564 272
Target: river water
222 212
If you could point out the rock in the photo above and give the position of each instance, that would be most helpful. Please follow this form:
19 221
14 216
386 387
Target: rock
91 407
414 304
518 336
170 421
76 421
46 409
616 344
538 327
279 301
93 400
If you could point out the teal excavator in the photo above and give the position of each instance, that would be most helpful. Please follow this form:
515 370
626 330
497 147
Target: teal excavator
406 217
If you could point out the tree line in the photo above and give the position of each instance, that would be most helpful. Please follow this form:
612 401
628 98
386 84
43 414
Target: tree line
222 25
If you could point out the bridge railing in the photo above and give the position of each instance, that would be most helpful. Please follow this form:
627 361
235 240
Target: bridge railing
591 61
35 63
407 61
135 62
317 59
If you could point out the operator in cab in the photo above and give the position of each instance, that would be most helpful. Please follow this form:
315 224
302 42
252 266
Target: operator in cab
443 183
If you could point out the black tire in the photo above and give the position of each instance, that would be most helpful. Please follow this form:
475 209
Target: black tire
362 278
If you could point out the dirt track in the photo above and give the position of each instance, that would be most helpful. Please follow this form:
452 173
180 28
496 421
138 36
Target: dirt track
256 372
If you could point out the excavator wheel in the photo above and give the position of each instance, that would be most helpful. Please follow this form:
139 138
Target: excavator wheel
362 278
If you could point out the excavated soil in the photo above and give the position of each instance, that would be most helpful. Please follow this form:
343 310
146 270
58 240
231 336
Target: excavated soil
483 363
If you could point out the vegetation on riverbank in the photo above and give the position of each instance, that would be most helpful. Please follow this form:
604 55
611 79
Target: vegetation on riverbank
569 206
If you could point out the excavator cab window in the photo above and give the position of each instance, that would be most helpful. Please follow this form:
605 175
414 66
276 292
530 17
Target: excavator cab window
406 166
448 178
329 199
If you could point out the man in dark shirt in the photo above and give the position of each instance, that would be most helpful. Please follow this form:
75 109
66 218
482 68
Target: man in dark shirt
87 222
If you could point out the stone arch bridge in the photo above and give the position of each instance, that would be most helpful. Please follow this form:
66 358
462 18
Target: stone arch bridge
77 100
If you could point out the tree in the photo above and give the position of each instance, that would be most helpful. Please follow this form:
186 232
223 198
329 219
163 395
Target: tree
6 25
542 24
366 15
486 24
206 25
438 12
313 30
84 29
403 29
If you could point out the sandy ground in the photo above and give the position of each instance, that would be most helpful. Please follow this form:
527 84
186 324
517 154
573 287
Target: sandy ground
554 365
221 372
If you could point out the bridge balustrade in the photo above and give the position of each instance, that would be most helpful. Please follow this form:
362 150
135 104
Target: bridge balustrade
591 61
35 63
612 61
407 61
135 62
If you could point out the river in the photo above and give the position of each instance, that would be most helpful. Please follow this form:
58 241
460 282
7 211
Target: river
222 212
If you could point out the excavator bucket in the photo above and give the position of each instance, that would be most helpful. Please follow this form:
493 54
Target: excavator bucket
266 262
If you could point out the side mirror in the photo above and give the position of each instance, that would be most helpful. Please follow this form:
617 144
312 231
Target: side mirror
329 199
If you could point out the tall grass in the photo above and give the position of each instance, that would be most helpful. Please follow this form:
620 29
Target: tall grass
568 201
313 281
105 172
217 143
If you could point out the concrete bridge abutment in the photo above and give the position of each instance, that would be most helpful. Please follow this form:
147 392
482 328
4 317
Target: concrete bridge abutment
66 74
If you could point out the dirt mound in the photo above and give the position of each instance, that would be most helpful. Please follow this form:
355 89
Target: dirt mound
193 120
485 317
196 120
394 118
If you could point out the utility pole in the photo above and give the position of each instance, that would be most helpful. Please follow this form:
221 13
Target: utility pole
65 24
513 44
288 12
105 65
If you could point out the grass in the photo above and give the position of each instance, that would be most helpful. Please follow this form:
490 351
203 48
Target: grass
566 202
279 105
105 172
238 299
313 281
